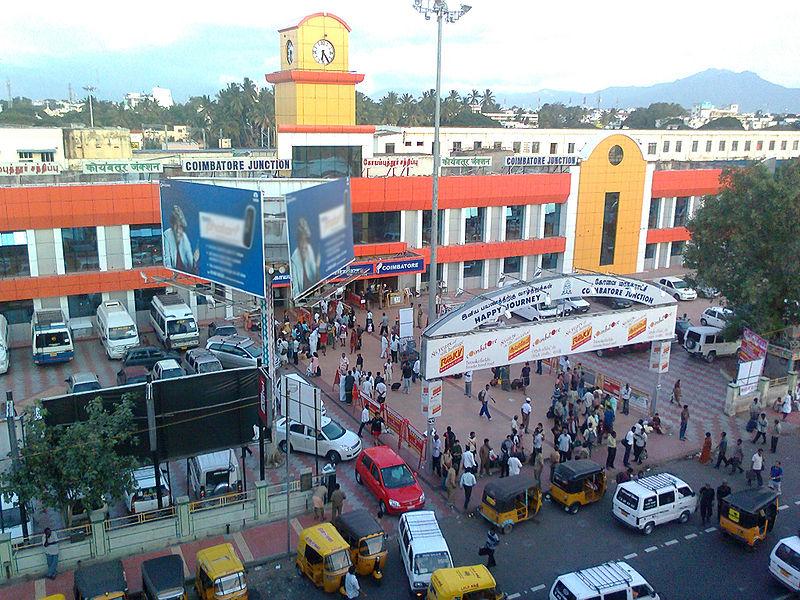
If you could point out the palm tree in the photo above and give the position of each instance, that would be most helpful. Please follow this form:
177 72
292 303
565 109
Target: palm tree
474 97
488 103
390 110
408 110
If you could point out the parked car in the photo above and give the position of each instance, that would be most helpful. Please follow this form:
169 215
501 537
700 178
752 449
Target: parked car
235 351
577 304
146 356
614 302
144 497
200 360
334 442
716 316
784 562
82 382
637 347
682 325
706 291
389 479
131 375
167 369
650 501
709 343
676 286
221 328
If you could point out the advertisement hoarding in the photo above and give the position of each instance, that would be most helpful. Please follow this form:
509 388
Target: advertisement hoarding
432 392
659 356
320 231
303 400
215 233
751 361
450 355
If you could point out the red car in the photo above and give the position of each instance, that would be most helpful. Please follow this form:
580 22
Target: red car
389 479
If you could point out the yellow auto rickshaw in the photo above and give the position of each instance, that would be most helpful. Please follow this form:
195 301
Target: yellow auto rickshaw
577 483
473 583
100 580
323 556
55 597
510 500
749 515
367 542
220 574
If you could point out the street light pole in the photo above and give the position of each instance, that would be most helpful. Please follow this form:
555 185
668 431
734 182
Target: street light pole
90 89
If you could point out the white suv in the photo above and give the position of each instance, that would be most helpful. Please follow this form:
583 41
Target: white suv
716 316
654 500
677 287
144 496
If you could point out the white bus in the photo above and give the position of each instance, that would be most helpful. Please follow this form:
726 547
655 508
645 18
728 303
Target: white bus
174 322
116 328
51 339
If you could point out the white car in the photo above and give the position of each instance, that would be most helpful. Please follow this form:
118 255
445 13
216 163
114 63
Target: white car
784 562
333 441
676 286
557 308
144 497
576 304
716 316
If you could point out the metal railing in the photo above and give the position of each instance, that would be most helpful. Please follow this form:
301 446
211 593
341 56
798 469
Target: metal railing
140 517
225 500
68 535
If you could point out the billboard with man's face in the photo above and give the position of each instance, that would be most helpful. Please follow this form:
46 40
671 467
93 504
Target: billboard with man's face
320 229
215 233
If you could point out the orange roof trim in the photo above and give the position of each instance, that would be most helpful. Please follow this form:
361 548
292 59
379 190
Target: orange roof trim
323 77
317 14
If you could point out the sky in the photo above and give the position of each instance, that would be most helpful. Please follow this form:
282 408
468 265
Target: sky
510 46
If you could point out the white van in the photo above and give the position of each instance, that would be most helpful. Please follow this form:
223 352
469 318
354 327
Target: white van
784 562
650 501
423 549
11 517
4 345
708 343
116 328
612 580
213 474
174 322
51 339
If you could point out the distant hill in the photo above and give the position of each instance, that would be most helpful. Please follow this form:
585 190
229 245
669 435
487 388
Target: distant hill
720 87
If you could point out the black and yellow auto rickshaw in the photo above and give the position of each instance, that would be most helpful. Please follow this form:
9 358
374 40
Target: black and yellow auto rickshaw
104 580
220 574
577 483
323 556
749 515
463 583
510 500
162 578
367 542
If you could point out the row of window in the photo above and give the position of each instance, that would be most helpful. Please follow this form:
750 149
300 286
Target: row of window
676 249
680 219
478 145
722 146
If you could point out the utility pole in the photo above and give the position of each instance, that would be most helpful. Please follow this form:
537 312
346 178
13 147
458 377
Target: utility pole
11 421
90 89
8 91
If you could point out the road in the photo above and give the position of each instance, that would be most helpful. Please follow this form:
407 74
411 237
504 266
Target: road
680 561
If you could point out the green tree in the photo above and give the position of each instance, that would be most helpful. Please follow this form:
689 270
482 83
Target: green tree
724 123
559 116
488 102
652 116
745 243
82 461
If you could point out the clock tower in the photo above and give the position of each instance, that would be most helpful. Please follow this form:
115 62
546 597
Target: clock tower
314 88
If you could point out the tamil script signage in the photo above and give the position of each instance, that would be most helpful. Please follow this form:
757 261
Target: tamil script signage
236 165
753 346
121 166
487 307
29 168
468 162
397 166
535 160
451 355
382 268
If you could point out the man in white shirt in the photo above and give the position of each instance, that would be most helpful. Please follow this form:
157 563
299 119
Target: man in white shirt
365 419
468 459
416 369
514 465
380 390
468 482
626 399
758 467
628 447
351 586
526 409
366 389
468 384
564 444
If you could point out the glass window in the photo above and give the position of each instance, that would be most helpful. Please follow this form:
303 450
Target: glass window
722 145
420 144
389 149
146 245
426 227
651 148
550 261
795 144
25 156
377 227
681 212
142 298
552 220
772 145
534 147
760 145
678 146
655 206
677 248
498 146
650 251
17 311
615 155
474 224
512 264
80 249
747 146
695 143
514 221
83 305
517 147
457 146
708 146
553 148
666 145
571 148
735 145
608 242
473 268
477 145
327 161
48 156
439 273
783 145
666 498
14 254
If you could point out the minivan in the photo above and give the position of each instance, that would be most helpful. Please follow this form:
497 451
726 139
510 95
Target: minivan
708 343
143 497
173 322
617 580
200 360
51 338
645 503
213 474
116 328
422 548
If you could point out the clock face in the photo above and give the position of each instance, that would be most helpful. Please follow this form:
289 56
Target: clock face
323 52
289 52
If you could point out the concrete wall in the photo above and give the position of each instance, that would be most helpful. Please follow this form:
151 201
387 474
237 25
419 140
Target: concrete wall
46 251
115 248
14 139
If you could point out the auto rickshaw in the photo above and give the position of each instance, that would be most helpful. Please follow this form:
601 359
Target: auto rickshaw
577 483
104 580
749 515
323 556
510 500
474 583
220 574
162 578
55 597
367 542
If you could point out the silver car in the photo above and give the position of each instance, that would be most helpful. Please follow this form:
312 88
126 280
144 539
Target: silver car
235 351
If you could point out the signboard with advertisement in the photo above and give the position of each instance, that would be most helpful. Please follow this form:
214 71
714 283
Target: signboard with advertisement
397 165
487 307
537 160
432 393
659 356
303 401
469 162
215 233
753 346
236 165
751 361
450 355
320 230
29 168
121 166
381 268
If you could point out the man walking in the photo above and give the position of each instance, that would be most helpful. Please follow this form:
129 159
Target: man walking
761 429
611 444
492 541
628 443
483 398
757 467
436 454
468 384
684 422
722 491
468 482
526 409
776 434
564 443
337 501
384 325
776 477
626 398
722 450
738 458
706 503
407 373
365 419
526 377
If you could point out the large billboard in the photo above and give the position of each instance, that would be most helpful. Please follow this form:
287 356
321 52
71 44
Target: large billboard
320 230
215 233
